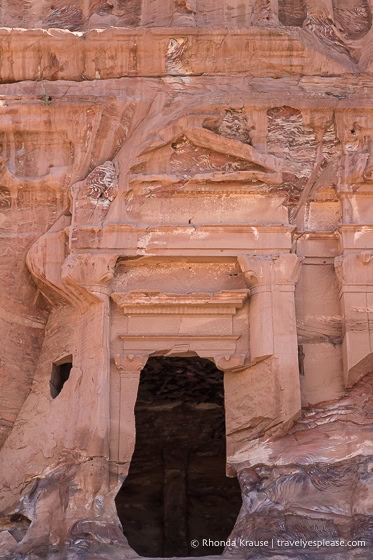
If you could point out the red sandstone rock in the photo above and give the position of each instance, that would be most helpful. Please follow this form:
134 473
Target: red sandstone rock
186 178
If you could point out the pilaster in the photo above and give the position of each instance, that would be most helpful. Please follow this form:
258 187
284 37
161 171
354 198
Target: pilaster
123 433
355 276
273 330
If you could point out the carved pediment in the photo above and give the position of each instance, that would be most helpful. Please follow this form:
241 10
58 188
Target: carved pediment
196 159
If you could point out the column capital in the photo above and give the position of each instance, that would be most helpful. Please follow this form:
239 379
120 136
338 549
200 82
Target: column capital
354 269
88 274
128 364
277 269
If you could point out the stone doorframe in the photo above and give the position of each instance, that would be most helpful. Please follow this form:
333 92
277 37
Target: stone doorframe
129 367
273 341
205 328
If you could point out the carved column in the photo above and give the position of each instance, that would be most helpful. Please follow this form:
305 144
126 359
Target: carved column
87 276
273 322
84 281
355 276
129 367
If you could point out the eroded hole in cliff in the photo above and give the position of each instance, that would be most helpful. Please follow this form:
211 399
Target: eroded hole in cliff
60 374
177 489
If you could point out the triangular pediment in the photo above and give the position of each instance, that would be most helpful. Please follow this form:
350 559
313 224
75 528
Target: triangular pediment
196 158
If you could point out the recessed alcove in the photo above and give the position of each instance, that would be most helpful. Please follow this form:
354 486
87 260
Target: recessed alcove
177 489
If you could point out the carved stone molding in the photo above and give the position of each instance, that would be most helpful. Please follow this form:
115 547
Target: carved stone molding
226 302
206 241
229 362
89 274
277 270
240 182
365 257
180 343
81 279
130 363
355 271
356 238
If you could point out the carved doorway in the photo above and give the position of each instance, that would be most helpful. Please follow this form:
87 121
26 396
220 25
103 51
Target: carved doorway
177 489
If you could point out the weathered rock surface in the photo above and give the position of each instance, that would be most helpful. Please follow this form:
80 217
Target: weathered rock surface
320 486
186 179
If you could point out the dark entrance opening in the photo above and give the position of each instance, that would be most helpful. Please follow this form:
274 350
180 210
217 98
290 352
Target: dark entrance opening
177 490
60 374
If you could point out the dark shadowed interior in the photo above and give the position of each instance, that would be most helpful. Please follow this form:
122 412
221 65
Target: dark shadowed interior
60 374
177 489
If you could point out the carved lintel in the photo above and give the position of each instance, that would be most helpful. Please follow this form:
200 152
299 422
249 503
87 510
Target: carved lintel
130 363
173 344
226 302
178 349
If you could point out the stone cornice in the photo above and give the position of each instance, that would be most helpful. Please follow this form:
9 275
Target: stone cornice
239 228
316 235
356 227
211 240
182 337
255 182
226 302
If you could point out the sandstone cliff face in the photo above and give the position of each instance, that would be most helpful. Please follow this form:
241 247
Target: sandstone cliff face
186 180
